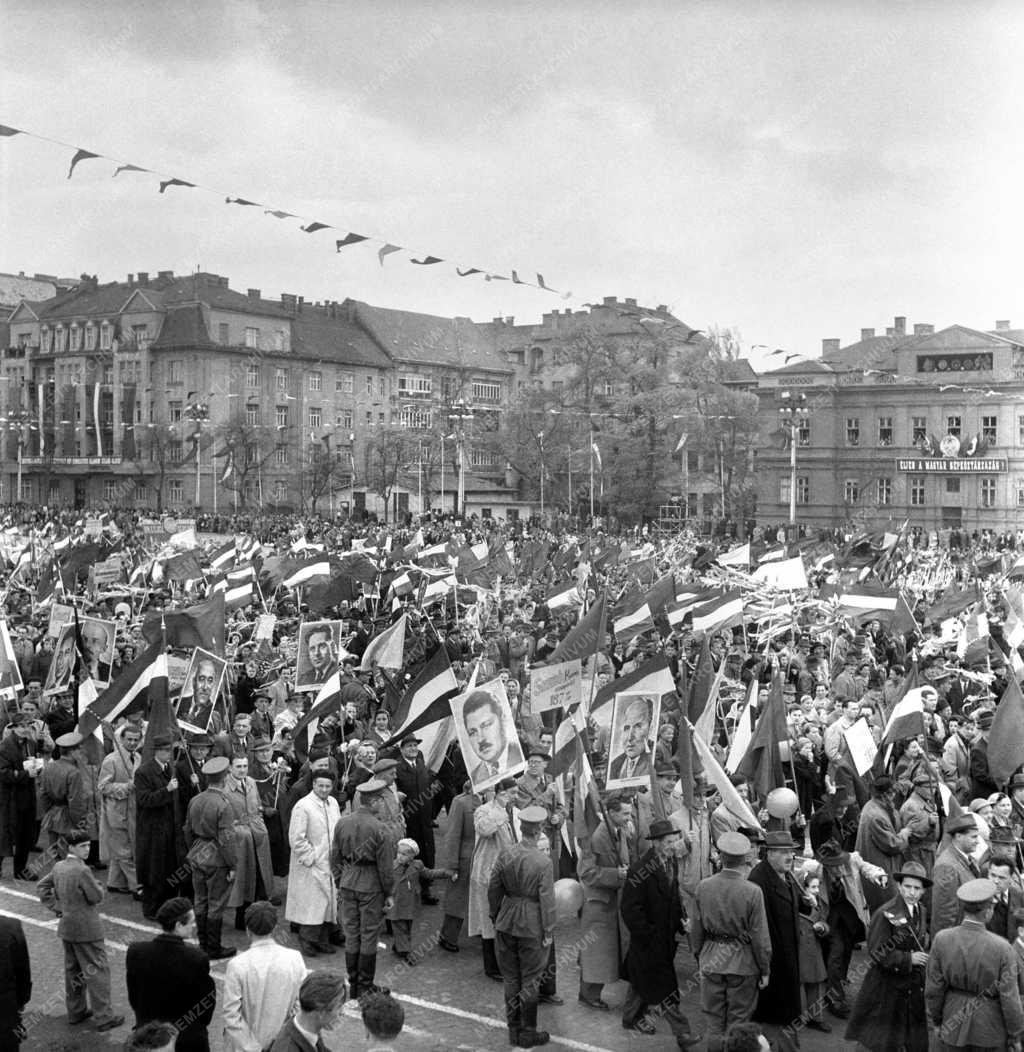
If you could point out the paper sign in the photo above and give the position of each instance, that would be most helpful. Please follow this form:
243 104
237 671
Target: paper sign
265 626
59 615
556 686
862 746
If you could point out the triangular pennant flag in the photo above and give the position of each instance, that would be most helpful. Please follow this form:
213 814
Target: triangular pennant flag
239 201
426 261
466 273
164 183
386 250
540 282
515 279
6 132
128 168
314 227
80 155
279 215
348 239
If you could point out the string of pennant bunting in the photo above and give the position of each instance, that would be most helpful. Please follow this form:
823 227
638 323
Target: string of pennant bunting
307 224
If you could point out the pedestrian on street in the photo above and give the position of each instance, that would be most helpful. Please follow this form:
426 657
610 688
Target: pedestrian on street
493 830
15 981
66 794
116 786
261 985
159 857
169 979
456 855
406 905
321 1001
71 891
20 765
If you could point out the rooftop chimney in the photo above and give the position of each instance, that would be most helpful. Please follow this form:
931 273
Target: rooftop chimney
890 331
922 329
662 308
510 320
143 277
288 301
165 273
254 294
829 346
131 279
300 304
630 302
1003 325
899 324
610 301
867 334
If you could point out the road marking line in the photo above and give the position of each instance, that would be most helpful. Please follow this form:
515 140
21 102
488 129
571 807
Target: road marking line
419 1002
124 922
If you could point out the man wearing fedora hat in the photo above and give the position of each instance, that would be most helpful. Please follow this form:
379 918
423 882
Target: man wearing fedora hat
954 867
652 911
889 1012
972 989
881 840
982 782
779 1003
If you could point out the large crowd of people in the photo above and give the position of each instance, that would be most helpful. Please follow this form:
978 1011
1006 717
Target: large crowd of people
725 808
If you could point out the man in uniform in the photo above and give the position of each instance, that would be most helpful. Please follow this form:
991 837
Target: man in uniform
364 856
521 900
210 836
972 987
66 795
729 937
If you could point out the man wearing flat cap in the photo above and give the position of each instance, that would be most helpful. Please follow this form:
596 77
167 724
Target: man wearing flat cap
972 985
210 838
779 1002
729 937
921 817
391 815
652 911
954 866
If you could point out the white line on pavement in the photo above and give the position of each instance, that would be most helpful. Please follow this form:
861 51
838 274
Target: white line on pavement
419 1002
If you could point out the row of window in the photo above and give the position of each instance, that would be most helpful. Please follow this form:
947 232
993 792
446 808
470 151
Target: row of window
917 486
885 431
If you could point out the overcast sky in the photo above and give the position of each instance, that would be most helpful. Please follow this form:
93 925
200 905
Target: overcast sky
795 170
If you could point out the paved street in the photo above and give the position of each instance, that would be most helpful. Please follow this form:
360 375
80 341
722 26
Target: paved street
448 1002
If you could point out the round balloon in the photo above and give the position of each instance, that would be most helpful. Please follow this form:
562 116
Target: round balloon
568 898
782 803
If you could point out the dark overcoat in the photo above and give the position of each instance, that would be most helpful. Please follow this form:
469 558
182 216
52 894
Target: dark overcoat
779 1002
17 789
416 781
653 913
889 1013
159 835
456 853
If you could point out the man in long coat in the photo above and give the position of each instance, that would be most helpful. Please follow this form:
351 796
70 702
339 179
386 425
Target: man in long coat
254 874
880 839
456 854
653 912
159 836
780 1003
18 794
116 785
602 871
414 780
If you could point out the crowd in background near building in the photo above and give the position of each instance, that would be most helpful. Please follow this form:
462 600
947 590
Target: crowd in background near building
906 646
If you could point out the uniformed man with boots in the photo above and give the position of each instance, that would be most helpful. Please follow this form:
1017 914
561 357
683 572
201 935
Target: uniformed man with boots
521 899
363 855
210 838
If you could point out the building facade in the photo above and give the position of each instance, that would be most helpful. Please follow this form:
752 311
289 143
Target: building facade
922 425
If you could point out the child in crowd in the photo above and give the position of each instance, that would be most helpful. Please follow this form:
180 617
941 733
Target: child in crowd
409 871
71 891
813 929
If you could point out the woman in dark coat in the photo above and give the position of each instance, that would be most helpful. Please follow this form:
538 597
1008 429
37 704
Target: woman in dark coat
780 1002
889 1014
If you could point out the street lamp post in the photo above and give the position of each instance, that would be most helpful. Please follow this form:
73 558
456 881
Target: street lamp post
197 413
793 413
464 413
540 441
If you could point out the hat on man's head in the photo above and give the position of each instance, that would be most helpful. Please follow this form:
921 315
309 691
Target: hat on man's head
384 765
977 892
666 770
410 738
200 741
983 718
263 742
162 741
1016 782
961 824
533 814
882 784
370 786
69 740
913 869
661 827
731 843
216 765
779 839
923 777
831 853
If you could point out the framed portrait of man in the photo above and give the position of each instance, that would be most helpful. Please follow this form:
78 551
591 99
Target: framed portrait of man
203 680
318 654
10 674
62 667
486 732
634 725
97 642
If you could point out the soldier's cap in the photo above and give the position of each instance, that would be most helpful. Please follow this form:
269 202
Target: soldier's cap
163 741
69 740
913 869
977 892
923 778
216 765
263 742
961 824
733 844
384 765
533 814
370 786
200 741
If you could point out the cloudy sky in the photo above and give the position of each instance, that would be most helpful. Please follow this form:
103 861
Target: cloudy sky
795 170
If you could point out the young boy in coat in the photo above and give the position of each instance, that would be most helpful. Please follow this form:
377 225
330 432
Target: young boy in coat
409 871
70 890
